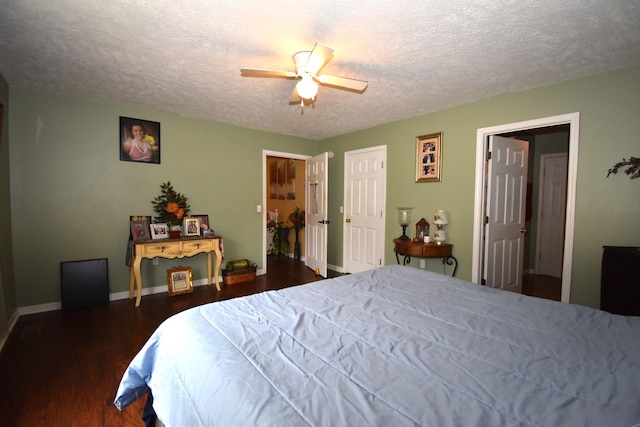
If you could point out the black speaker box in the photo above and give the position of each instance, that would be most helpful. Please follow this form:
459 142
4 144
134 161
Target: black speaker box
84 283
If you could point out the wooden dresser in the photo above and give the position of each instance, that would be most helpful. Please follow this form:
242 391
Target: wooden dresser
620 281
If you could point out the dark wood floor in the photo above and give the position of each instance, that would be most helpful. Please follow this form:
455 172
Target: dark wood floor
63 368
540 286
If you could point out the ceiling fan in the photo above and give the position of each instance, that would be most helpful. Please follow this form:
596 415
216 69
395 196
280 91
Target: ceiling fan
307 65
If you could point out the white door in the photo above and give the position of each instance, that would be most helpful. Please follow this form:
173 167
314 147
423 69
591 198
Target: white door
317 217
552 206
505 212
365 186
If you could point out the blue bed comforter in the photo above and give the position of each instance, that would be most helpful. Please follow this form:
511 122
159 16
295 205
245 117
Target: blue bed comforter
394 346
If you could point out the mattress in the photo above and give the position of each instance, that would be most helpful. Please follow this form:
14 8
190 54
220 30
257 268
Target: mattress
394 346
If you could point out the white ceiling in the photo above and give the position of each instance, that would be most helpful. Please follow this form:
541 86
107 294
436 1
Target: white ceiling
417 55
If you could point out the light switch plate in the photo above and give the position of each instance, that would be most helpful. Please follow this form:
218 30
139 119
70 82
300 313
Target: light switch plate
422 263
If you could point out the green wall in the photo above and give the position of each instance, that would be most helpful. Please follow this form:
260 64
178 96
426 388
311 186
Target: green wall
71 196
609 127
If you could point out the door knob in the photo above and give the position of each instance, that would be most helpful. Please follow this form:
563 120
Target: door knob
523 230
348 220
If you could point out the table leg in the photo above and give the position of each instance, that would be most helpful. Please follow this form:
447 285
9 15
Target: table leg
138 277
216 272
451 260
132 281
209 268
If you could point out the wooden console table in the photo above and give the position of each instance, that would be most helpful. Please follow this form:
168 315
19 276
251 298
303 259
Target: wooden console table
173 248
408 248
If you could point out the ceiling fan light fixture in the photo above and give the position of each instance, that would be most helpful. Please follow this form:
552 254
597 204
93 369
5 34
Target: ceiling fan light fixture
307 87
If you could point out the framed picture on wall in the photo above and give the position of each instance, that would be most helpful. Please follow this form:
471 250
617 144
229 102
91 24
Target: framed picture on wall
139 140
429 157
179 280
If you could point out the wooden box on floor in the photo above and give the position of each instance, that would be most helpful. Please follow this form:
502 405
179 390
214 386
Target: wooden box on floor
238 276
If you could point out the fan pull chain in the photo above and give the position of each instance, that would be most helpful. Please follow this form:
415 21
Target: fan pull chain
313 105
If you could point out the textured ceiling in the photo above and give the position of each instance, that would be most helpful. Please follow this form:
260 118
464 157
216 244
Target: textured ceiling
417 55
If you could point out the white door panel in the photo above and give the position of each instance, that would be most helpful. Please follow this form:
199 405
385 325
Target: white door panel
317 214
365 183
551 214
505 211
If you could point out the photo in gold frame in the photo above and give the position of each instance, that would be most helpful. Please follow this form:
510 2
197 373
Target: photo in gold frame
429 158
179 280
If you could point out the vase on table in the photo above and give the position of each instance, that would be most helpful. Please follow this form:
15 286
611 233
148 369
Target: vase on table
283 240
175 232
296 247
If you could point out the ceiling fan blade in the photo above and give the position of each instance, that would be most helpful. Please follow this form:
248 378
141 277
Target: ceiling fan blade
318 58
294 98
258 72
343 83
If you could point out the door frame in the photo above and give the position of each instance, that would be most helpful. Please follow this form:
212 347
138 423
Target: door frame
573 120
265 185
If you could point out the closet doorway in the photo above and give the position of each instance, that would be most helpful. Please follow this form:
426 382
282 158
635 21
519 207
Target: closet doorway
283 192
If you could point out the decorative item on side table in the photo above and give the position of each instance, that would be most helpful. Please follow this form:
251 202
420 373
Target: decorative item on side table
440 219
205 229
404 219
140 228
170 207
191 226
159 231
179 280
422 231
297 218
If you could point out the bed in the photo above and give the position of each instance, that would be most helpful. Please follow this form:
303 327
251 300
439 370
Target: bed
394 346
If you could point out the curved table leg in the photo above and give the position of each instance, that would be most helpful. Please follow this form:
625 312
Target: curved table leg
216 271
138 279
406 260
451 260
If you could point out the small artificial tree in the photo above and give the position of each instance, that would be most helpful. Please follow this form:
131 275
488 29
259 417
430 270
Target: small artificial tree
170 206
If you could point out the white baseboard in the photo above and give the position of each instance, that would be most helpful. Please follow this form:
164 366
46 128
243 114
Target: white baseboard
42 308
116 296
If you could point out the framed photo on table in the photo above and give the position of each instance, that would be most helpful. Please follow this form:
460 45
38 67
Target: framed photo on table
429 158
179 280
205 229
159 231
140 229
191 226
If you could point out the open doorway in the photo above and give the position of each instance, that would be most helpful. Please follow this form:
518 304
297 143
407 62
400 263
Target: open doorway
545 209
283 176
536 129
